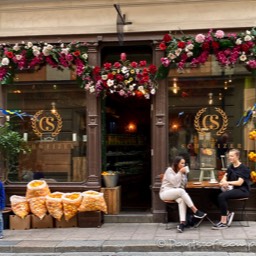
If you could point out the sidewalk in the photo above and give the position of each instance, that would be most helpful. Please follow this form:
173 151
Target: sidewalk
130 237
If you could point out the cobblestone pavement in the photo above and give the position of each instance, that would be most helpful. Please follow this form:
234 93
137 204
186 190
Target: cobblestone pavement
125 239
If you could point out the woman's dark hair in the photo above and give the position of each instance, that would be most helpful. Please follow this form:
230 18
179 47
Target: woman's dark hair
176 161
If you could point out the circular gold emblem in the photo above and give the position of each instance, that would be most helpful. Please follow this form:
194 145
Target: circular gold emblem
46 122
210 122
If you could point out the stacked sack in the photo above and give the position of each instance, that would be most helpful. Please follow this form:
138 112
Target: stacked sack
39 200
36 193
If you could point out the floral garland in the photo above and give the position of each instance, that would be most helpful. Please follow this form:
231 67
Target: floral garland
33 56
229 49
123 77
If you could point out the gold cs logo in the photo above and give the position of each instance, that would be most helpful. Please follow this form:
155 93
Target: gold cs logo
217 122
46 122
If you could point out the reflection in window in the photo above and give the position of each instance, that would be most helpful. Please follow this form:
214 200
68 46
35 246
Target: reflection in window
210 89
54 125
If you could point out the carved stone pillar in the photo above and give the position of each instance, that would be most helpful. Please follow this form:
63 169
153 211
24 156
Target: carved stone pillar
93 129
159 140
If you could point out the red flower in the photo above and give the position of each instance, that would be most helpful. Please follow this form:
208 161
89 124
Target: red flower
134 64
107 65
143 63
96 70
181 44
10 55
119 77
117 65
167 38
152 69
245 47
215 45
162 46
206 46
110 76
76 53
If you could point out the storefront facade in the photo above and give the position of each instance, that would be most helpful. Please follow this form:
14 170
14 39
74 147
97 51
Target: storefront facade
91 127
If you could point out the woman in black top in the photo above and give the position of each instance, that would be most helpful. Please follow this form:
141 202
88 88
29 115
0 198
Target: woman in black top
235 184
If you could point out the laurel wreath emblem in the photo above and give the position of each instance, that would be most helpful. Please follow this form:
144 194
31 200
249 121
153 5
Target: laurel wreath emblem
39 133
201 112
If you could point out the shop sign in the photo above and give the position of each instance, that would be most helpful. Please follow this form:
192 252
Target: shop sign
215 122
48 123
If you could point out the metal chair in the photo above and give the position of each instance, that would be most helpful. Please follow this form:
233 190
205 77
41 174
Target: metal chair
244 216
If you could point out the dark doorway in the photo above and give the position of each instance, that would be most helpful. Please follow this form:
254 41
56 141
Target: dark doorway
127 148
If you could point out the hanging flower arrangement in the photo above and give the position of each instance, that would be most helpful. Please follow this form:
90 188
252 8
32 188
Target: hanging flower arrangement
33 56
228 48
123 77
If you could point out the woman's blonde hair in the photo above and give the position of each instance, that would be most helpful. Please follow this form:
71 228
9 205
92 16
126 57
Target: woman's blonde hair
235 151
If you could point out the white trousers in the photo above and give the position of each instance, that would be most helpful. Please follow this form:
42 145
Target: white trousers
181 197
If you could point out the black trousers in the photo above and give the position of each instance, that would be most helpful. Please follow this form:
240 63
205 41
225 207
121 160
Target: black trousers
223 198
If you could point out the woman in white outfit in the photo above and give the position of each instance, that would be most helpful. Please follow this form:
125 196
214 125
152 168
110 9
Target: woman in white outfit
173 188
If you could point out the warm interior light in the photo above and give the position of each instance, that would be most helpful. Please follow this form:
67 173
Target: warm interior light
132 127
175 88
53 110
210 102
220 96
225 85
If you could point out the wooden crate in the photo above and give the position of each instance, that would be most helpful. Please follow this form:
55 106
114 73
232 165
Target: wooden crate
90 219
113 199
46 222
66 224
17 223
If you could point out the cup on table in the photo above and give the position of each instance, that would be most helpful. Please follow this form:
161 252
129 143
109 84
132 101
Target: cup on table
213 180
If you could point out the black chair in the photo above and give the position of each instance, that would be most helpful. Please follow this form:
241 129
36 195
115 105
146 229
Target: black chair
242 209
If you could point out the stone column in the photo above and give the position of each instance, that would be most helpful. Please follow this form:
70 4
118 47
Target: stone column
93 129
159 139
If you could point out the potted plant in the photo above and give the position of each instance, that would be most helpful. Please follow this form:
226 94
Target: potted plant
11 146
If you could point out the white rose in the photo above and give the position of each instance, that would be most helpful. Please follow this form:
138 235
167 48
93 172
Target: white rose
189 54
46 52
85 56
131 87
18 57
110 82
104 77
178 51
171 56
29 44
248 32
16 47
5 62
124 70
153 91
65 51
190 47
36 53
247 38
238 41
92 89
49 47
141 88
243 57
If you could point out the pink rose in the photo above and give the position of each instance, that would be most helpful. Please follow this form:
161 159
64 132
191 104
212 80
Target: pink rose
123 56
219 34
200 38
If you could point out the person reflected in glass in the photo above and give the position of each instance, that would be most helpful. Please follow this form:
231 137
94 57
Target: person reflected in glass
235 184
173 188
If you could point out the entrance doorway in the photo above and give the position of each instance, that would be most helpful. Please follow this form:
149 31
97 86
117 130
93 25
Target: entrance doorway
127 148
